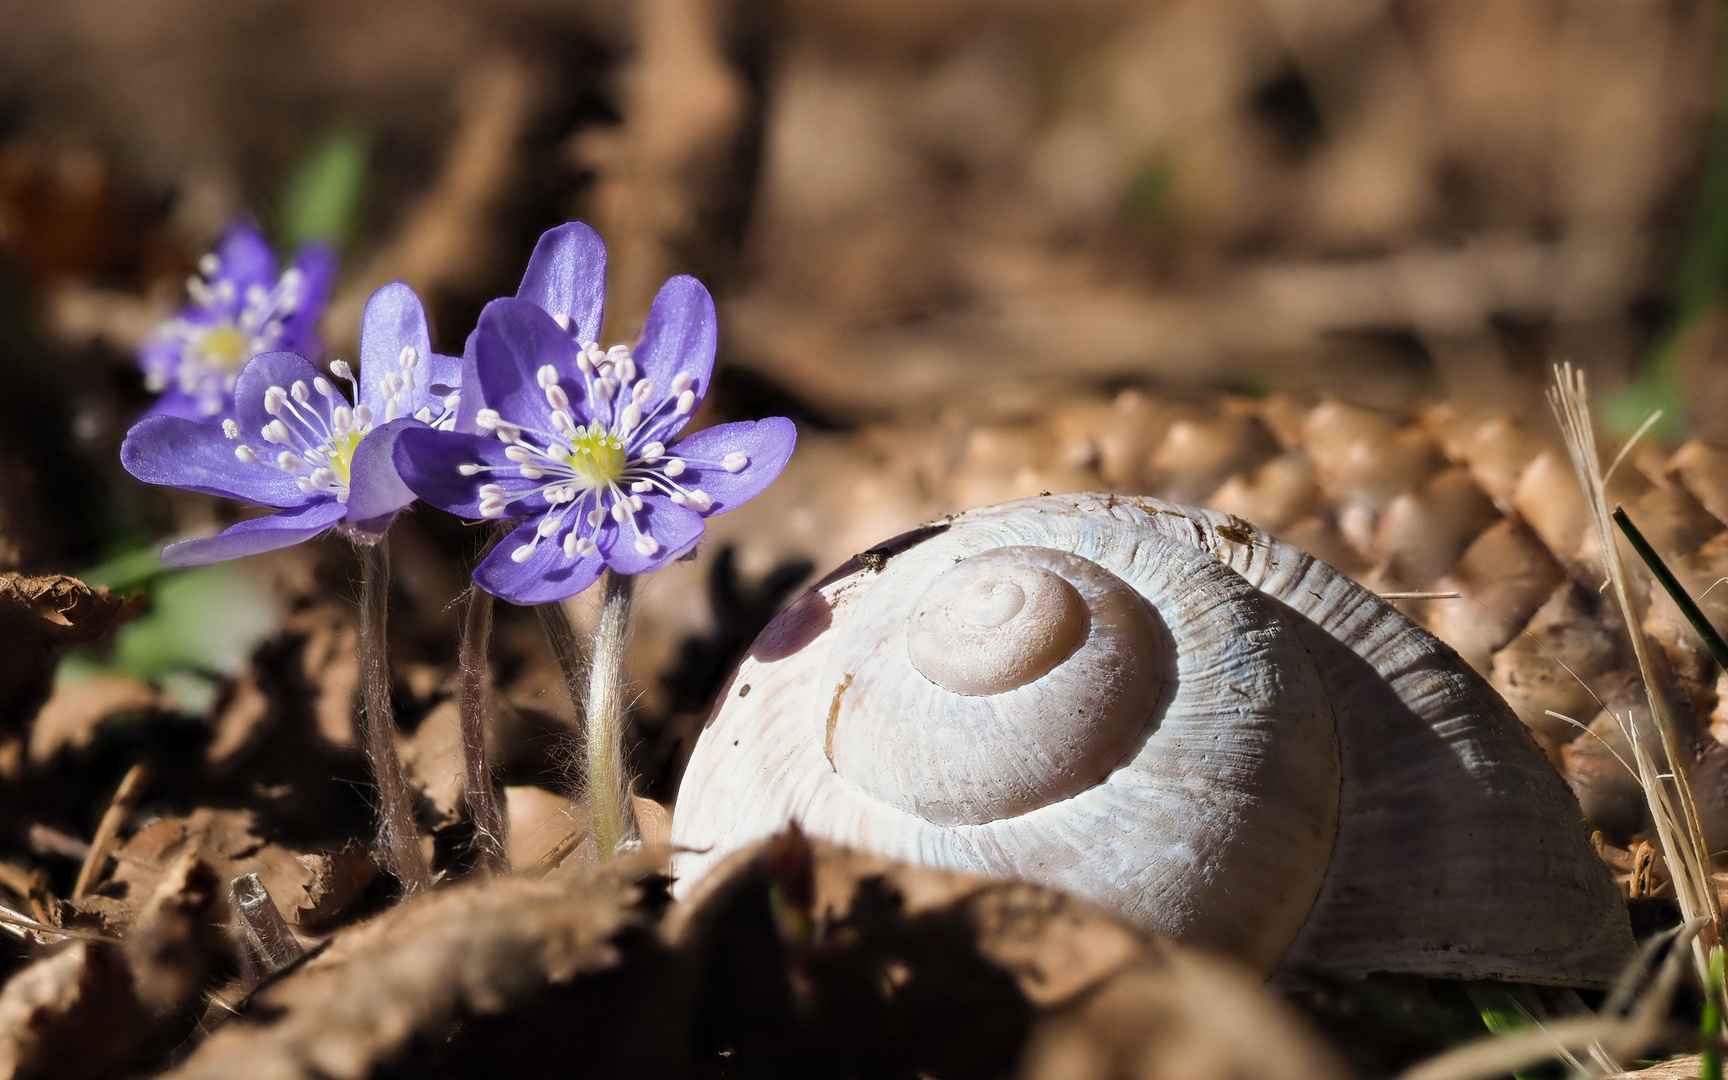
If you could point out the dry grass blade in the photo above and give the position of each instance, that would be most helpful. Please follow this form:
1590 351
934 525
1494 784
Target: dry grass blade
1606 1035
1668 794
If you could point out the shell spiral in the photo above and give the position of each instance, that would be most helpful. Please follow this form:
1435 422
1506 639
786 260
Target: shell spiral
1175 716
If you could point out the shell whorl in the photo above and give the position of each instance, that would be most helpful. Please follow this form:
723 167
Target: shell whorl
1196 790
1318 781
1027 663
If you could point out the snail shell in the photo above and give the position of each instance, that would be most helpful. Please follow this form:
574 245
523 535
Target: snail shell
1174 715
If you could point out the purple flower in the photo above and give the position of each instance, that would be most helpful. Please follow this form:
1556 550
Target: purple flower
584 443
297 443
239 309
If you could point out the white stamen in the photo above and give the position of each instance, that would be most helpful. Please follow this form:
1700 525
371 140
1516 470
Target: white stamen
519 454
653 452
635 502
563 321
469 470
452 402
274 399
363 415
486 419
322 385
546 376
276 432
587 548
686 402
631 418
673 466
548 525
701 501
647 545
342 418
563 421
341 370
302 392
679 498
289 462
556 396
642 485
491 508
529 472
409 356
640 393
246 454
605 389
424 415
570 544
229 428
210 265
735 462
681 382
596 516
522 554
390 410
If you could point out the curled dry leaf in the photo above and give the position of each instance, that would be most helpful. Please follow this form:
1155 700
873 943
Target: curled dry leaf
41 617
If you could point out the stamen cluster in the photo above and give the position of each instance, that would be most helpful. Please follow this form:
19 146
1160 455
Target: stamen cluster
583 471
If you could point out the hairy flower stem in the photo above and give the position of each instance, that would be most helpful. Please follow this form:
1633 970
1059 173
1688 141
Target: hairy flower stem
397 833
481 796
608 784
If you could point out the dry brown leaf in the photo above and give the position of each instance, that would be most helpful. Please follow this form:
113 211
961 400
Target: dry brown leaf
40 617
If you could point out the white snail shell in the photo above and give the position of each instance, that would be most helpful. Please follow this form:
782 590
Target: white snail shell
1176 716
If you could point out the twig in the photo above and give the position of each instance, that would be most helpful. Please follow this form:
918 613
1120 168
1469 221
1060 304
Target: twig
397 833
269 943
108 831
480 795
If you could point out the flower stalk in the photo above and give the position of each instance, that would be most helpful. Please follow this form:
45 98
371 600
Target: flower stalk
397 834
596 686
608 781
480 795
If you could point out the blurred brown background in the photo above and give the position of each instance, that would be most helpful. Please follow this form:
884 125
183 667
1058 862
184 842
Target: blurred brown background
907 206
977 249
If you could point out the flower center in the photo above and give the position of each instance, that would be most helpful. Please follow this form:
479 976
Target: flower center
339 453
597 455
223 347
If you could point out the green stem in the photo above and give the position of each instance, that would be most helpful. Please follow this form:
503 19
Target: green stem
398 836
1688 607
608 783
597 691
1710 1026
478 792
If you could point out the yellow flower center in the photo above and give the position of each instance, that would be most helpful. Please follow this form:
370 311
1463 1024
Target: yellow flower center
596 455
223 346
341 453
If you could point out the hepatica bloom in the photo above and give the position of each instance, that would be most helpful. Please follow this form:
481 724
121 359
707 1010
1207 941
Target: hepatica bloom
240 308
298 441
582 442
